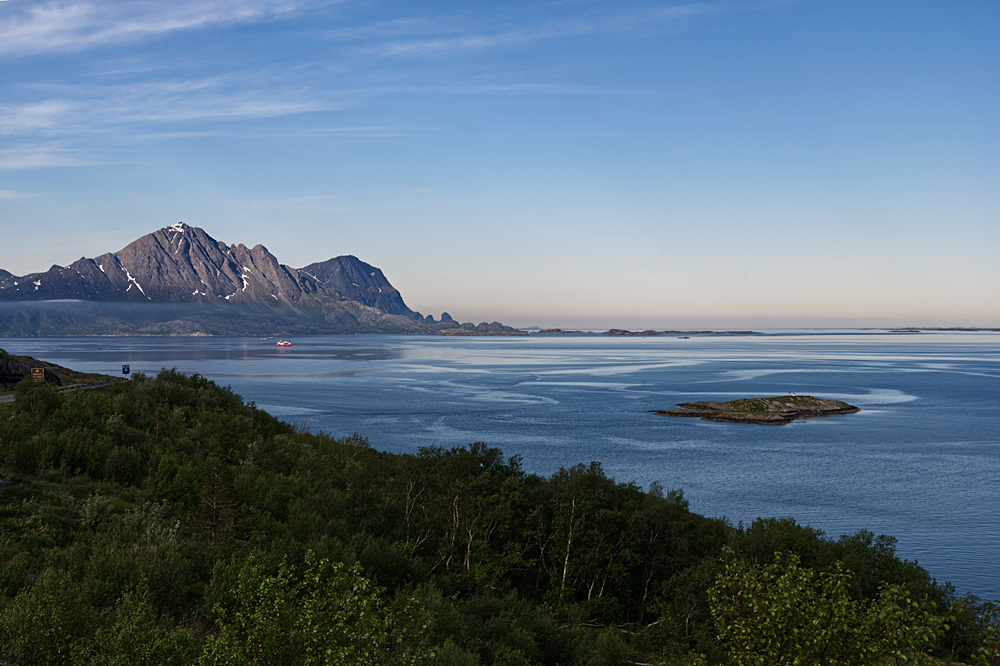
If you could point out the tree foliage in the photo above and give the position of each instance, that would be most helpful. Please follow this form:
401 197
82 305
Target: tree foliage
325 614
782 613
164 520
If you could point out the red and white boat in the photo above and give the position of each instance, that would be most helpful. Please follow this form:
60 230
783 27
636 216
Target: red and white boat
284 343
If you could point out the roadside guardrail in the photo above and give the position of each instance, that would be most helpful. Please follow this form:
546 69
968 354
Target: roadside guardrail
90 385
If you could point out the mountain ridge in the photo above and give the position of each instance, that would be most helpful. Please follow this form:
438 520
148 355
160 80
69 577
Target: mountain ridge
204 286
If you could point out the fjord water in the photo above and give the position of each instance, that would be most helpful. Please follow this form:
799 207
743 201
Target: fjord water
921 461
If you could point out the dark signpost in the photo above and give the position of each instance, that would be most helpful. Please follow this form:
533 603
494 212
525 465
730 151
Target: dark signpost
125 371
38 374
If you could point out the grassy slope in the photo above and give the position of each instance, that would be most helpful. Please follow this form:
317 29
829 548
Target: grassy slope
67 376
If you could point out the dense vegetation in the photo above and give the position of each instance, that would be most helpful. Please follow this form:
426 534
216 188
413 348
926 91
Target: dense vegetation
164 521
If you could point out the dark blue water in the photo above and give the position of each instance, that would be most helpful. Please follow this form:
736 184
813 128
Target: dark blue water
921 461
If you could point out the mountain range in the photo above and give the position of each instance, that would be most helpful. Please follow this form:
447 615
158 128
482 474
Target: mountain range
179 280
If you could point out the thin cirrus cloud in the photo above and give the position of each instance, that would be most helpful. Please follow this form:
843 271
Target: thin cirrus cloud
428 37
80 108
88 108
40 156
39 27
29 118
449 43
91 107
32 27
209 98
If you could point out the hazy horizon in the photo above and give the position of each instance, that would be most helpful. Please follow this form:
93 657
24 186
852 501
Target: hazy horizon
595 322
763 324
662 164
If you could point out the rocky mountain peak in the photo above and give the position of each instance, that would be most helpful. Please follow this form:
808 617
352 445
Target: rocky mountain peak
180 263
178 280
357 281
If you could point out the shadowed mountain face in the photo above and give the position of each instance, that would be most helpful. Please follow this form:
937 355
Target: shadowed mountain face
357 281
180 264
181 281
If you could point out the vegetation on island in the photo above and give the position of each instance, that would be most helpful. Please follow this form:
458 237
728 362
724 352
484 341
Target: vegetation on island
778 410
165 521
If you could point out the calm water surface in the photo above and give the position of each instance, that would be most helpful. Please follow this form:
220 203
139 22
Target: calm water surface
921 461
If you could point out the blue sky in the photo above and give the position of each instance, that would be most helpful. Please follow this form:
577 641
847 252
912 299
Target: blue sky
566 163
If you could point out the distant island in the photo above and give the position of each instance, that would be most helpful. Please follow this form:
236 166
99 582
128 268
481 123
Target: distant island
620 331
777 410
939 329
178 280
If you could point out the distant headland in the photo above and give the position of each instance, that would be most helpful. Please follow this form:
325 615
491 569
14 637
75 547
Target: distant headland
777 410
620 331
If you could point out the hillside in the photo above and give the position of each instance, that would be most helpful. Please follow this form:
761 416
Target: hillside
165 521
14 369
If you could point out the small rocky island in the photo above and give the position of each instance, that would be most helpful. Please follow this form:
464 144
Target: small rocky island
778 410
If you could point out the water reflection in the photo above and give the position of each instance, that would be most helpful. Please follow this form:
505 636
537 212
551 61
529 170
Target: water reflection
171 351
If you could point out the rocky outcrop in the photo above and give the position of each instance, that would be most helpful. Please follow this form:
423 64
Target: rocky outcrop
768 411
450 327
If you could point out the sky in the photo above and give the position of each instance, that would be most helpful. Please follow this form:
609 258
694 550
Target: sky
571 163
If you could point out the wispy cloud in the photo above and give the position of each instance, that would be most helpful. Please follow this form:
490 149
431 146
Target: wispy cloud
423 37
88 108
474 42
416 38
39 27
205 106
6 195
520 88
39 156
33 117
143 96
361 131
210 98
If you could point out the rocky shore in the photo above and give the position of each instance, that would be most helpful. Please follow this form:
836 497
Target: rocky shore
768 411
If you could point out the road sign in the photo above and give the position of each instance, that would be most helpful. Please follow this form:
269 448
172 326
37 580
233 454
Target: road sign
125 370
38 374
